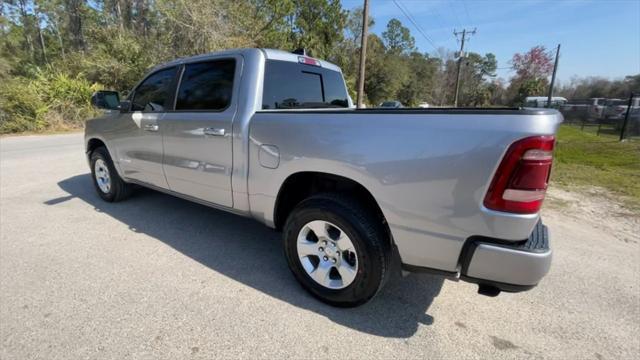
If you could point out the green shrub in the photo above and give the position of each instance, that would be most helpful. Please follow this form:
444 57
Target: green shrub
50 101
21 108
117 62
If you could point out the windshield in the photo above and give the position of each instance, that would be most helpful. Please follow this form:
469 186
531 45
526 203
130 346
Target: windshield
290 85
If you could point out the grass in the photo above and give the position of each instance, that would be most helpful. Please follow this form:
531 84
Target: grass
584 159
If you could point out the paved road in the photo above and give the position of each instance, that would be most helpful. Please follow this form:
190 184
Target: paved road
159 277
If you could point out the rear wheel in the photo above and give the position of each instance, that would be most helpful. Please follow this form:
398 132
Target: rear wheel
108 184
337 249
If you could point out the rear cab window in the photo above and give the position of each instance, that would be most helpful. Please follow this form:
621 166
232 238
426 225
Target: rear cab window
290 85
206 86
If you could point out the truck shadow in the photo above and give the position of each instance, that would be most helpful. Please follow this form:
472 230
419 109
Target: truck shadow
251 253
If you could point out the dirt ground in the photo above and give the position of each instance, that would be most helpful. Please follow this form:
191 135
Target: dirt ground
597 207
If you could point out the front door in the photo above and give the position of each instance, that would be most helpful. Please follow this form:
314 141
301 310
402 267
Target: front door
197 135
140 151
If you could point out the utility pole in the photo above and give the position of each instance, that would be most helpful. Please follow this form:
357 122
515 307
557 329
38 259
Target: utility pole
460 57
363 51
553 77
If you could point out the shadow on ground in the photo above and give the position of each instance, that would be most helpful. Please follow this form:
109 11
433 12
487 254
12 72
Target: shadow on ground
251 253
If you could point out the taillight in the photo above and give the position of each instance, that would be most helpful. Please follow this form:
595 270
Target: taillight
520 183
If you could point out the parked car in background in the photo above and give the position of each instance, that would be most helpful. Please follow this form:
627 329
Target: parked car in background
391 104
424 105
633 127
584 109
541 101
616 108
271 135
633 123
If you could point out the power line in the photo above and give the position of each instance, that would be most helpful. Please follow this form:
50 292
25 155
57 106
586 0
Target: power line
434 14
440 18
417 27
453 10
404 11
466 10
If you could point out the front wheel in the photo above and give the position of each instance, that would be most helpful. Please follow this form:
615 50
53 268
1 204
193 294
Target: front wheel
108 184
337 249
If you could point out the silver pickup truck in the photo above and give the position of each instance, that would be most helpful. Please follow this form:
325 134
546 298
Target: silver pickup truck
273 135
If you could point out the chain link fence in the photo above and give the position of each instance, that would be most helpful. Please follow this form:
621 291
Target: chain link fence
606 116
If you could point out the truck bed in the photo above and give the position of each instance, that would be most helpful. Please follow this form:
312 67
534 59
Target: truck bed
433 110
429 169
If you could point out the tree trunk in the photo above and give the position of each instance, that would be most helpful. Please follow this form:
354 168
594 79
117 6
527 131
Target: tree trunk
119 15
141 17
43 47
56 26
74 10
26 22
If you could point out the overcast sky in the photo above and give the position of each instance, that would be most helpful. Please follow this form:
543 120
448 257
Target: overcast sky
599 38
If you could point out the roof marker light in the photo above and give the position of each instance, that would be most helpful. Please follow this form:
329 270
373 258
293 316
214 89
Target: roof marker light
308 61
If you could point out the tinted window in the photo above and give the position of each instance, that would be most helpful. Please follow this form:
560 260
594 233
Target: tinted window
206 85
153 94
581 102
289 85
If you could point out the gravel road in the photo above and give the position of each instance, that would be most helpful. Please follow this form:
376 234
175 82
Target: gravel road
159 277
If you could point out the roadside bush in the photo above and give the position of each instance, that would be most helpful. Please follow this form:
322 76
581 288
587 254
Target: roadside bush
49 101
117 62
21 108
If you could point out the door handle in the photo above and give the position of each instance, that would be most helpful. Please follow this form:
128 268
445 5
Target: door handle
214 131
151 127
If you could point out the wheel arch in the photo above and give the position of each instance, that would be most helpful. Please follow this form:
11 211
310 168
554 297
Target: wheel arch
94 142
301 185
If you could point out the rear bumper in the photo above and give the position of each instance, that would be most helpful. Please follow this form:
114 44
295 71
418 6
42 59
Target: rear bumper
499 265
507 266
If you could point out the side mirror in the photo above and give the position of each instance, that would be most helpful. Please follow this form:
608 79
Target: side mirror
124 106
105 99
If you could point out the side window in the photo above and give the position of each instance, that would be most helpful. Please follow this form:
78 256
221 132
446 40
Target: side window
153 94
206 85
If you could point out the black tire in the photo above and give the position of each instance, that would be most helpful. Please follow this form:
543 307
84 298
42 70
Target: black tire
119 190
368 235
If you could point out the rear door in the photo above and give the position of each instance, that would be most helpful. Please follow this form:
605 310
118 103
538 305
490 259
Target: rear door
140 146
198 133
